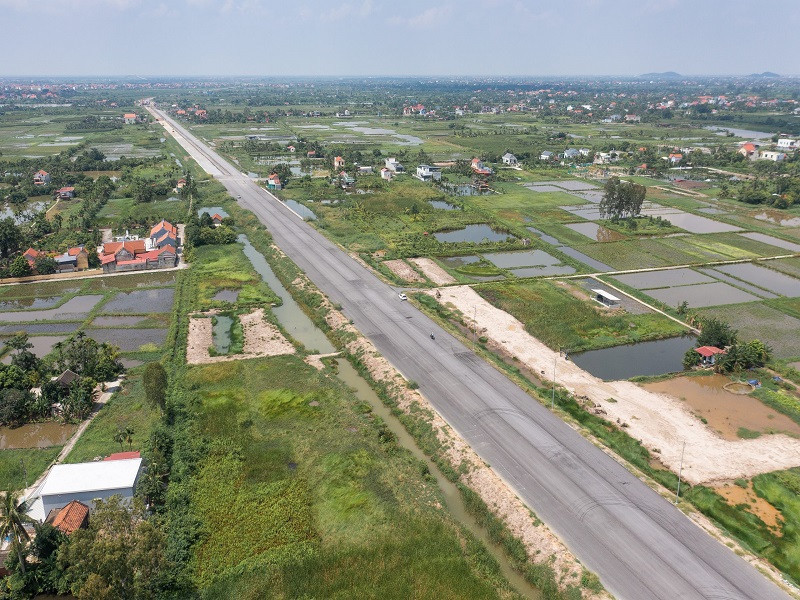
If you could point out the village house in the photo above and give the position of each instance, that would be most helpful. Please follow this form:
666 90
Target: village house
217 218
31 254
584 151
748 150
159 229
479 168
166 239
311 154
675 158
632 118
85 483
771 155
546 155
338 162
393 165
788 144
74 516
387 174
428 173
74 259
346 180
509 159
571 153
274 182
708 354
130 118
41 177
66 193
365 169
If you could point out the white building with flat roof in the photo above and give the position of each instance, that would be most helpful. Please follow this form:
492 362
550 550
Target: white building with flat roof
87 482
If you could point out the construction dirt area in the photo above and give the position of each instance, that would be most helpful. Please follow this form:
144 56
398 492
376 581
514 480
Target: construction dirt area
661 422
403 270
433 271
261 338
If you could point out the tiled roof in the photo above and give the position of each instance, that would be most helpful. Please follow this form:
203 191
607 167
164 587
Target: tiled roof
72 517
709 351
162 225
132 246
123 455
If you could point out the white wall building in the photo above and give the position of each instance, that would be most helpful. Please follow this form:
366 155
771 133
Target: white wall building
393 165
429 173
788 144
509 159
773 156
87 482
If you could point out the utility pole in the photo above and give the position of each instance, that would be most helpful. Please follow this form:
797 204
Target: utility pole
680 472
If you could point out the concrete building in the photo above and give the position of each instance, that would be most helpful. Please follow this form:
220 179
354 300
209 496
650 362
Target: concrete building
509 159
41 177
429 173
387 174
86 483
130 118
788 144
771 155
393 165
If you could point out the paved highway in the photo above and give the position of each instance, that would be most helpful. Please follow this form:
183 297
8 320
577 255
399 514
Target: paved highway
639 544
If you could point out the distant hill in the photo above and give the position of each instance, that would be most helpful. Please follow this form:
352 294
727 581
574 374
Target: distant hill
664 75
765 75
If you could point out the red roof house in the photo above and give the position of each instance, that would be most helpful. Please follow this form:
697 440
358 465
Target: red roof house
709 354
69 519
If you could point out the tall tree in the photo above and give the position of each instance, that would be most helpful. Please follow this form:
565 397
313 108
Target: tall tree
13 518
622 199
10 237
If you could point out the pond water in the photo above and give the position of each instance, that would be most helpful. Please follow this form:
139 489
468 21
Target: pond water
130 363
212 210
442 205
544 237
742 133
158 300
73 309
645 358
222 334
779 218
294 320
36 435
697 224
477 233
304 212
725 411
34 328
21 212
661 279
452 496
129 340
226 295
548 271
704 294
459 261
28 303
596 232
528 258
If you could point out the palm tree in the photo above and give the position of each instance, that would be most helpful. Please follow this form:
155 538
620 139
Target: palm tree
13 517
119 437
128 433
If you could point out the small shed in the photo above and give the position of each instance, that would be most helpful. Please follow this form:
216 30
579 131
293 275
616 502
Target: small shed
606 299
708 354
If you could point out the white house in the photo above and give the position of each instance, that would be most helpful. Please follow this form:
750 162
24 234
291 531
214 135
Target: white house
584 151
86 482
788 144
546 155
387 174
509 159
393 165
365 169
770 155
429 173
571 153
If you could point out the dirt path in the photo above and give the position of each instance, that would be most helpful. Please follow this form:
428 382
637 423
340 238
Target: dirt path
403 270
433 271
662 423
261 338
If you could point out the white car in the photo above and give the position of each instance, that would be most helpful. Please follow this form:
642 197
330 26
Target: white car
402 296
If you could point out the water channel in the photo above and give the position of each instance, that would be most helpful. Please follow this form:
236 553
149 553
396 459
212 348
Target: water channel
301 328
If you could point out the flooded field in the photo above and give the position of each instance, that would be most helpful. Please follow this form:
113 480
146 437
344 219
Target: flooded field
40 289
128 340
157 300
117 321
36 435
772 241
133 281
459 261
548 271
304 212
725 411
697 224
29 303
477 233
590 212
778 218
756 291
661 279
529 258
221 333
736 495
34 328
42 345
768 279
645 358
596 232
76 308
704 294
587 260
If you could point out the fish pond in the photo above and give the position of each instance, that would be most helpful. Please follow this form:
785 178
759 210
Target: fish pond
477 233
36 435
657 357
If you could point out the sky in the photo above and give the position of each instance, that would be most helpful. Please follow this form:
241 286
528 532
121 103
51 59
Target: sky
397 37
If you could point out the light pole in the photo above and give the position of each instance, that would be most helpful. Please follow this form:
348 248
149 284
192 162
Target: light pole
680 472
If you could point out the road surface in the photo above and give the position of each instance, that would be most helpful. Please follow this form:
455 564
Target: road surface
639 544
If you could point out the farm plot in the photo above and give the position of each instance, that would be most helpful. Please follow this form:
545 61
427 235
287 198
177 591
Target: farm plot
772 241
76 308
662 279
717 293
765 278
157 300
757 320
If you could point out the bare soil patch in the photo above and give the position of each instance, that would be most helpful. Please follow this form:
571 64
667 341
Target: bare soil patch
660 421
403 270
736 495
261 338
433 271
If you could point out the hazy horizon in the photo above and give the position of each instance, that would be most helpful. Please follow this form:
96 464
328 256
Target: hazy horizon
371 38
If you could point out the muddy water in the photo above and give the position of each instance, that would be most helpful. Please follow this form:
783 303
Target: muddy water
301 328
452 497
725 412
35 435
290 315
736 495
477 233
222 334
596 232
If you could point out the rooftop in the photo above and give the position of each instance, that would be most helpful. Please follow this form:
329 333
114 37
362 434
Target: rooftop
91 476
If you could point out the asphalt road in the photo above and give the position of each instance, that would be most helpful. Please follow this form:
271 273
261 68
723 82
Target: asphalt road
639 544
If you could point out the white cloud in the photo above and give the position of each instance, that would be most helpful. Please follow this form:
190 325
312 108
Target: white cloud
430 17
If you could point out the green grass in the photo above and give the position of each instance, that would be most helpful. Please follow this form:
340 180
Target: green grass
763 321
557 318
227 268
324 505
127 408
15 463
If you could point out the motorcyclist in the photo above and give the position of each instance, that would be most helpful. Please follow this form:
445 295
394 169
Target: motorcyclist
433 337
